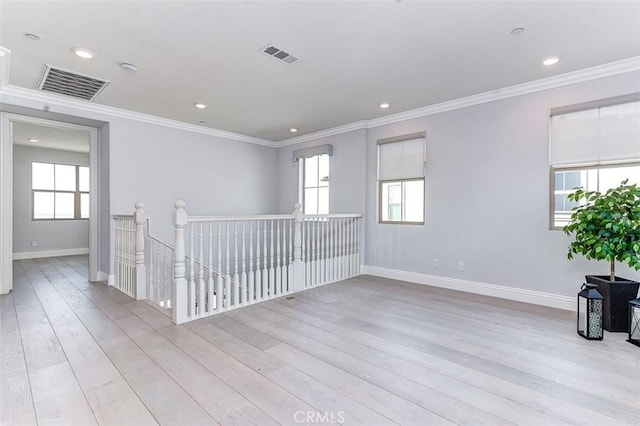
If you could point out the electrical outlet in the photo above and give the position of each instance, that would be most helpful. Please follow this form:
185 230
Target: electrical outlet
460 266
34 243
434 263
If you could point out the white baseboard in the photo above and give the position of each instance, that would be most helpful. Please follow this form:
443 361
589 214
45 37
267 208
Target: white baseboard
49 253
102 276
111 280
511 293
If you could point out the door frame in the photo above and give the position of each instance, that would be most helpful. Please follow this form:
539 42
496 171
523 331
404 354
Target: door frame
6 193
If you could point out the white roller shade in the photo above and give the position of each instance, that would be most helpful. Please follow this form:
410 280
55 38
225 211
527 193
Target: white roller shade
600 135
401 160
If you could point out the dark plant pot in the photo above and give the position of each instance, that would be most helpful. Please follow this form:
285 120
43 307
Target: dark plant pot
616 300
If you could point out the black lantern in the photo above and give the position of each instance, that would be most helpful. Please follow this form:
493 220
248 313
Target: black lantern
590 312
634 322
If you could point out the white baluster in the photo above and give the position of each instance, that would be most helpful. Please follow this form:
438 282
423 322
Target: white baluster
251 276
180 296
200 295
210 297
236 274
192 273
141 272
265 270
258 294
272 272
227 280
220 299
298 274
243 275
277 288
306 234
290 257
323 251
150 272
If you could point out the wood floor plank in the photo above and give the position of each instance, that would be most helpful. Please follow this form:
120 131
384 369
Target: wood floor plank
482 401
221 401
278 403
108 394
375 398
532 355
47 364
364 351
447 365
448 407
313 391
16 403
167 402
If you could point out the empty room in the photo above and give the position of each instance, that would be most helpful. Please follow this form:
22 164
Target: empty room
308 212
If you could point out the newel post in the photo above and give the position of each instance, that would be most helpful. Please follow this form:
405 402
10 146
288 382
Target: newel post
298 265
141 272
180 294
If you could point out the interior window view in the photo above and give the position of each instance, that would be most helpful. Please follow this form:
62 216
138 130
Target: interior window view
60 191
320 213
316 184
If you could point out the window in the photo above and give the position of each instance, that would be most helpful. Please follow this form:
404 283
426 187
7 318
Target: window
401 174
314 178
593 148
315 196
59 191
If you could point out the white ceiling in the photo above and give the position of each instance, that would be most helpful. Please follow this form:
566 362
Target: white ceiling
51 137
354 55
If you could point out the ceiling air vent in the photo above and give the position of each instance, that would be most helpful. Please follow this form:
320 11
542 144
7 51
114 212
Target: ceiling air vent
68 83
279 54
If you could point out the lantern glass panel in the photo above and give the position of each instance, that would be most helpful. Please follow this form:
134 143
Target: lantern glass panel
582 315
595 318
634 332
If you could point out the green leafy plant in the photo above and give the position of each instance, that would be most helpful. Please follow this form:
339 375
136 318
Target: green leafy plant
606 226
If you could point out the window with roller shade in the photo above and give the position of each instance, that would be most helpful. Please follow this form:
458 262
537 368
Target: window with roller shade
401 171
595 148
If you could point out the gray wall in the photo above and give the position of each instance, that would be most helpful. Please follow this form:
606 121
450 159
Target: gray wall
50 234
347 170
487 192
214 176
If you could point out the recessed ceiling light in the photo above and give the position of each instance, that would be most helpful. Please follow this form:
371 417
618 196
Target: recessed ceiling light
293 130
83 53
128 67
384 105
32 140
550 61
517 31
32 37
200 105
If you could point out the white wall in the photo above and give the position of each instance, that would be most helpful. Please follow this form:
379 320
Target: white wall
49 234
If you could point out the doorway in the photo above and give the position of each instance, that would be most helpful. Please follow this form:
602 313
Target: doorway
49 192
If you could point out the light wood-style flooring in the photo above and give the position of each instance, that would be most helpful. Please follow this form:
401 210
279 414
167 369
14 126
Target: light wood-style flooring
366 351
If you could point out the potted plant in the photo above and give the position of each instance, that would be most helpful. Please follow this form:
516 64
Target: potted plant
607 227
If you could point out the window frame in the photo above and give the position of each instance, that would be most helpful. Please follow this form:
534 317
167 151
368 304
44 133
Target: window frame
401 181
303 187
552 183
422 135
77 203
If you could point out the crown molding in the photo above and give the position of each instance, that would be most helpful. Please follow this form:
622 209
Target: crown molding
579 76
358 125
56 101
